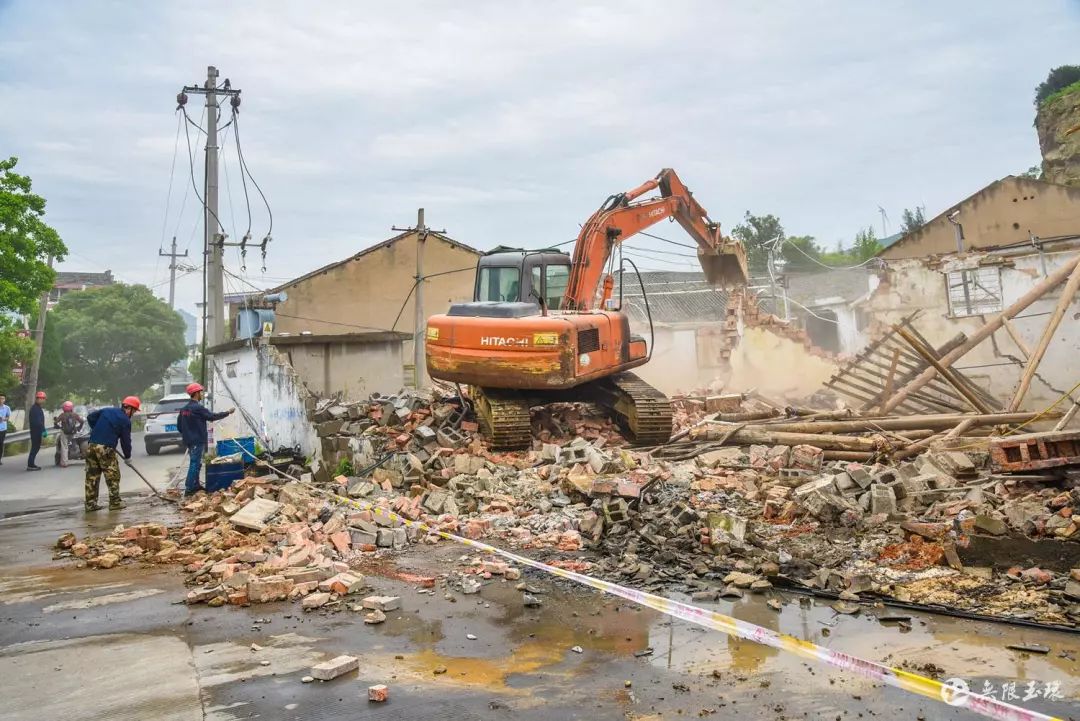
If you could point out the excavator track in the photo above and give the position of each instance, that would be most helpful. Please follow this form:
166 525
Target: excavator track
640 410
504 417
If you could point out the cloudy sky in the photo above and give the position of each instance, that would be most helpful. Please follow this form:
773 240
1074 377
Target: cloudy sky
510 121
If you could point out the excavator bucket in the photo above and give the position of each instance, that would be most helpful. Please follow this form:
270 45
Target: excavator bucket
727 266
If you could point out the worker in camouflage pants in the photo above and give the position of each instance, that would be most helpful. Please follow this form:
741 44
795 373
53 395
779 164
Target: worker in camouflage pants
108 427
102 460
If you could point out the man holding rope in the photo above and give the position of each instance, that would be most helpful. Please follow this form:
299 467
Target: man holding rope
191 421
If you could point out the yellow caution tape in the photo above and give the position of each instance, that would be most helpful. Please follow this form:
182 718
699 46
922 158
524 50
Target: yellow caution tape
905 680
928 687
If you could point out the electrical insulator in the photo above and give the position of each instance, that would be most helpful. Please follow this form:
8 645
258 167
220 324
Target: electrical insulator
235 102
181 99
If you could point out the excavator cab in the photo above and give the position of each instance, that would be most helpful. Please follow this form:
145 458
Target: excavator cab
512 283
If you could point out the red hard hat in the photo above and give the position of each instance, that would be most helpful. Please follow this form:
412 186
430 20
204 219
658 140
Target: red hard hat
193 388
68 406
40 394
133 402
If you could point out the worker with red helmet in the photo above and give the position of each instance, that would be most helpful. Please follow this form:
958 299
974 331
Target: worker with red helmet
69 423
191 421
37 430
108 426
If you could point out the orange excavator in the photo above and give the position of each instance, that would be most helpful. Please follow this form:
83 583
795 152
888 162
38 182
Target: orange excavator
543 327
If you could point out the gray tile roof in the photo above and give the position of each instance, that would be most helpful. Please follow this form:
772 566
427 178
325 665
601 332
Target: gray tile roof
685 297
674 297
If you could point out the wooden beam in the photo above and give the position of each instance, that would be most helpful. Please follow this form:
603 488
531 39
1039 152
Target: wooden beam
919 446
944 372
932 421
986 330
1048 335
1011 330
1069 415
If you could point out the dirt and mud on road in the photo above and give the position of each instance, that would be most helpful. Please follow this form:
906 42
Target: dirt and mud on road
484 656
773 535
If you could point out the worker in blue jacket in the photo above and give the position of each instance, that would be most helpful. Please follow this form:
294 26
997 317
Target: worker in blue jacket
108 427
191 421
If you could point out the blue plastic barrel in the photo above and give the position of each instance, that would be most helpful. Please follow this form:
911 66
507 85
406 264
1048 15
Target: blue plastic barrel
244 446
220 476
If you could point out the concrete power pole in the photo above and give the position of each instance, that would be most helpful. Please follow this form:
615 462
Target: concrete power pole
39 343
420 321
215 283
214 241
172 256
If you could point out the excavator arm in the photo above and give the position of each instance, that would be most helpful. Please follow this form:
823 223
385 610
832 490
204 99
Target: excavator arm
623 215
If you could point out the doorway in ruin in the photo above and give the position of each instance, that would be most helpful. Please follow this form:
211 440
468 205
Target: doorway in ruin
824 330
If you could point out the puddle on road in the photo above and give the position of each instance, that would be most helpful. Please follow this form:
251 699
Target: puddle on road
49 582
539 642
228 661
105 600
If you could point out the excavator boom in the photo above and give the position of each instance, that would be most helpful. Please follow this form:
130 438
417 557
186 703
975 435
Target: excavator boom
623 215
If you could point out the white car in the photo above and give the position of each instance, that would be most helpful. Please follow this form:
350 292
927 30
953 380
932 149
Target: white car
161 423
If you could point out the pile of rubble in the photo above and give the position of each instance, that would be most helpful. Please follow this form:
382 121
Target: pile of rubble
705 520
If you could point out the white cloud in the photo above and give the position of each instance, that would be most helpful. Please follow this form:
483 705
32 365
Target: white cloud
513 117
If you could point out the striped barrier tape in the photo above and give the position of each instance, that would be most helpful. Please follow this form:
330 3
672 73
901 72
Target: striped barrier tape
905 680
897 678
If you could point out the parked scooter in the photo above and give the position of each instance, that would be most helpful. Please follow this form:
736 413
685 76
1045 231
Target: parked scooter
76 447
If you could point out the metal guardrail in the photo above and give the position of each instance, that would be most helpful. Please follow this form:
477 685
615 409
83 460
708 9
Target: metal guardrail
16 436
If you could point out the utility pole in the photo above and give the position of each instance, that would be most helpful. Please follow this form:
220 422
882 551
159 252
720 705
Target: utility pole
172 256
420 321
39 343
214 241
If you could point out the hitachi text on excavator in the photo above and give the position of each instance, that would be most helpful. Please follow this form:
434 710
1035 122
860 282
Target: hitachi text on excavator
544 327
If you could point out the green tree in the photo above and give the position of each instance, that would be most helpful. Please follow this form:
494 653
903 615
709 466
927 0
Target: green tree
801 252
113 341
13 350
195 366
1059 78
912 220
1034 172
758 233
26 242
866 245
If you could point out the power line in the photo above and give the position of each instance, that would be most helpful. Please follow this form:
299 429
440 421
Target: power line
824 265
682 263
243 178
244 167
673 242
172 175
827 320
187 189
191 165
661 252
228 194
332 322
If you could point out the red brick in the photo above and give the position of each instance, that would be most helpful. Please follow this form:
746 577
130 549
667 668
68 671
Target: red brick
268 588
342 541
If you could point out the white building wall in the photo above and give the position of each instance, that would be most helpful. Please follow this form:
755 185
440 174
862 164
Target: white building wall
919 284
261 382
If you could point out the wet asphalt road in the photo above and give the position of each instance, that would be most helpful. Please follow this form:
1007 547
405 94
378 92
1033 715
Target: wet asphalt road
21 490
118 644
